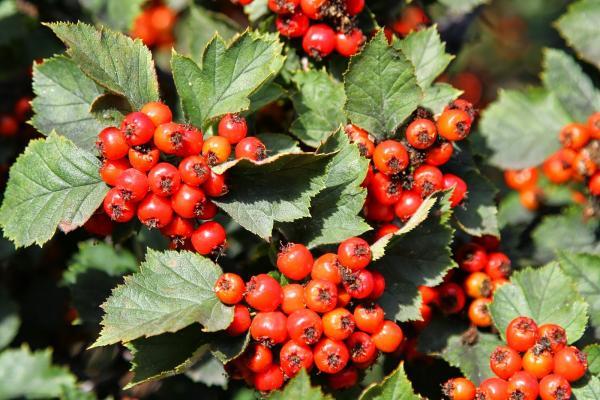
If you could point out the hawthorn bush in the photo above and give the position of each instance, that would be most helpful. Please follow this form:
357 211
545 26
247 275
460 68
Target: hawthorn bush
300 198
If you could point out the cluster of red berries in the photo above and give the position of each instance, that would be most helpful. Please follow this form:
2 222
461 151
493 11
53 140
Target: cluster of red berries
174 193
10 123
330 320
578 160
154 26
536 363
403 173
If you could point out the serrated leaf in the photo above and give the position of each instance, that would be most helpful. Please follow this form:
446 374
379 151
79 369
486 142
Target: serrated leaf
473 360
381 88
31 374
63 100
395 386
265 95
427 52
579 27
52 184
229 74
277 189
113 60
521 128
438 95
317 118
584 270
588 389
458 7
171 291
573 88
9 319
196 28
335 210
547 295
593 356
299 387
277 143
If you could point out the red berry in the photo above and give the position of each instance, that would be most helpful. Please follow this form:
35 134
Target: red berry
523 385
319 41
327 267
293 26
331 356
188 202
439 155
112 143
133 184
230 288
454 124
498 265
179 229
390 157
117 207
478 285
378 285
361 347
320 295
264 293
354 7
375 211
112 169
216 149
594 184
208 211
354 253
369 318
144 157
194 170
384 230
555 387
574 136
168 137
312 8
295 261
9 126
558 168
251 148
505 361
359 284
385 190
570 363
215 185
155 211
594 125
258 357
452 298
338 324
348 44
479 313
427 179
22 109
521 333
269 379
164 179
472 257
233 127
283 6
294 357
99 224
553 335
451 181
494 389
269 328
138 128
158 112
388 337
459 389
241 321
305 326
192 141
293 298
344 379
519 179
538 362
209 238
421 133
408 203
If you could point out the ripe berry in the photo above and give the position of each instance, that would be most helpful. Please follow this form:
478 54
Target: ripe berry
521 333
230 288
338 324
209 238
112 169
570 363
494 389
384 230
164 179
378 285
269 328
359 284
9 125
459 389
594 184
233 127
427 179
459 188
269 379
133 184
216 149
112 143
258 357
523 386
293 298
320 295
292 26
319 41
408 203
464 105
241 321
519 179
421 133
530 198
361 347
360 137
215 185
505 361
251 148
369 318
264 293
390 157
498 265
594 125
22 109
192 141
208 211
144 157
283 6
117 207
555 336
348 44
385 190
295 261
188 202
429 295
194 170
452 298
454 124
472 257
312 8
574 136
479 313
327 267
295 356
440 154
354 7
138 128
558 168
538 362
583 164
354 253
168 137
478 285
344 379
158 112
99 224
331 356
555 387
155 211
305 326
388 337
375 211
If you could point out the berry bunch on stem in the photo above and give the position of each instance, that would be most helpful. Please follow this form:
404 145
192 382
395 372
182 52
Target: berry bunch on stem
327 319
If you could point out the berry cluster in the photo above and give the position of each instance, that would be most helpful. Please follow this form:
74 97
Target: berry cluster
577 161
536 363
330 321
403 173
170 194
10 123
154 26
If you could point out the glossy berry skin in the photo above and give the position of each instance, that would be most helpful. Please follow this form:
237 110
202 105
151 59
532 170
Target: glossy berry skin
295 261
112 169
283 6
295 356
388 337
361 347
521 333
538 363
344 379
354 7
348 44
385 190
375 211
320 295
138 128
454 125
168 137
269 379
555 336
112 143
331 356
143 158
519 179
478 285
208 211
570 363
155 211
292 26
192 141
378 285
263 293
494 389
472 257
498 265
327 267
440 154
293 298
390 157
408 203
384 230
459 389
194 170
241 321
427 179
251 148
133 184
558 168
354 253
158 112
505 361
233 127
523 385
555 387
319 41
188 202
369 318
209 238
269 328
312 8
421 133
359 284
574 136
164 179
594 184
305 326
258 357
594 125
230 288
216 149
215 185
117 207
338 324
452 298
178 230
451 181
479 314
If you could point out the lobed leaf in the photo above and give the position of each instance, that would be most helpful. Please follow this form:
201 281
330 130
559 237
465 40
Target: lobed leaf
299 387
587 389
437 96
52 184
579 27
473 360
592 352
395 386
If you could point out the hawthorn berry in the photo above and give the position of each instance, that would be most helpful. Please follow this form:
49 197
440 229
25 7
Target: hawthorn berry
386 190
369 318
359 284
312 8
178 230
384 230
478 285
421 133
112 169
348 44
574 136
320 296
117 207
452 298
305 326
459 186
258 357
99 224
390 157
269 328
594 184
209 238
168 137
378 285
338 324
498 265
230 288
158 112
523 386
293 298
375 211
188 201
192 141
440 154
521 333
459 389
319 40
555 387
408 203
472 257
427 179
112 143
354 253
558 168
209 210
354 7
505 361
241 321
251 148
388 337
269 379
555 335
9 125
233 127
344 379
493 389
295 356
327 267
283 6
520 179
263 292
331 356
194 170
144 157
138 128
361 346
538 361
133 184
155 211
570 363
164 179
292 26
479 313
215 185
454 124
593 123
216 149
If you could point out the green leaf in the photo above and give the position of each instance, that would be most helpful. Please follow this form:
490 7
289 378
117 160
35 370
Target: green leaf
208 371
521 128
256 10
64 96
588 389
229 75
381 88
267 94
299 387
579 27
171 291
31 374
277 189
395 386
9 319
573 88
459 7
335 210
113 60
117 14
317 118
52 184
277 143
593 356
584 271
473 360
196 28
438 95
427 52
547 295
